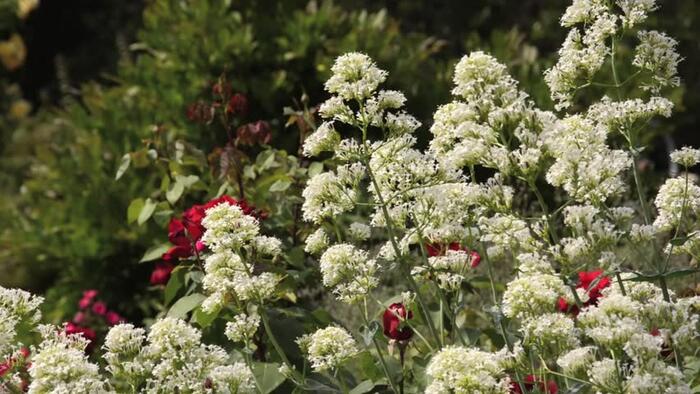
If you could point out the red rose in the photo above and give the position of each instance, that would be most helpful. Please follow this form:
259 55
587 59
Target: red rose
112 318
476 258
161 274
593 282
99 308
392 319
238 105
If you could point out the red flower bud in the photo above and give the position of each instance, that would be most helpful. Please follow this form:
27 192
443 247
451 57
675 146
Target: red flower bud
392 319
238 105
112 318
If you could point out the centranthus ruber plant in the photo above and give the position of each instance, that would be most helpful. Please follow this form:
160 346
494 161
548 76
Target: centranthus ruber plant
519 250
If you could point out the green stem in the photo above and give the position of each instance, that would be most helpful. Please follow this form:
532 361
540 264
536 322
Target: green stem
376 346
545 210
271 336
397 252
249 363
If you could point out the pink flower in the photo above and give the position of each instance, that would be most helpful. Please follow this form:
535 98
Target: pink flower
79 318
112 318
99 308
88 296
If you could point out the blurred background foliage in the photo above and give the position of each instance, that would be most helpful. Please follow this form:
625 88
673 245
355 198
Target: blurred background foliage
87 82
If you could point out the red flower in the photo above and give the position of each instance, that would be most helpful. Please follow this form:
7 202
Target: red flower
161 273
185 235
550 387
237 105
476 258
392 319
593 282
112 318
99 308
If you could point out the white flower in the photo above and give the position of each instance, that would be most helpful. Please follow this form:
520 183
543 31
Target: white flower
242 328
326 195
267 246
676 196
686 157
316 242
233 379
60 365
360 231
635 10
583 11
604 375
328 348
532 295
613 321
349 272
656 53
123 353
227 227
355 76
551 333
324 139
456 369
658 377
577 361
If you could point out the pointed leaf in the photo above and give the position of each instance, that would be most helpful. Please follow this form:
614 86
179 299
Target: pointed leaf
146 211
123 166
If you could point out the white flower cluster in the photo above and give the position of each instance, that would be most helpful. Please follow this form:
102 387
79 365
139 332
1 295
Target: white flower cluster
242 328
585 167
676 197
490 110
686 157
328 348
17 307
349 272
656 54
173 359
456 369
60 365
593 23
229 273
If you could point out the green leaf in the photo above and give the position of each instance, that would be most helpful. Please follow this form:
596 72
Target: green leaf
280 185
132 213
204 319
175 283
268 376
315 168
173 194
123 166
368 332
154 252
146 211
184 305
362 388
